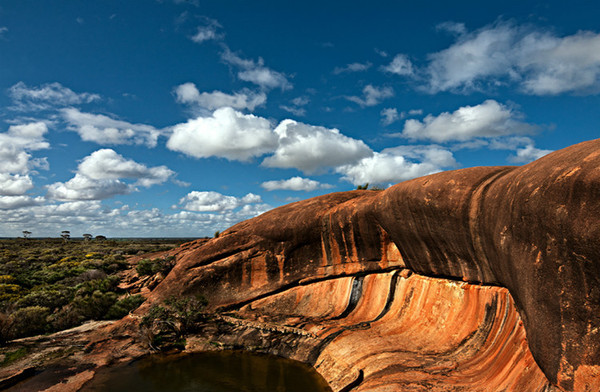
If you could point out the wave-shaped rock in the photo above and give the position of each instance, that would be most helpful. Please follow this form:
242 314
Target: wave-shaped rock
533 230
481 279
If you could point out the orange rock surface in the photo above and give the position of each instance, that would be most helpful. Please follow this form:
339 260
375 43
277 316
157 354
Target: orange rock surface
533 230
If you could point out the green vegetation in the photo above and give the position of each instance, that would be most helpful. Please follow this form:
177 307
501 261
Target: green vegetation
13 356
47 285
166 326
151 267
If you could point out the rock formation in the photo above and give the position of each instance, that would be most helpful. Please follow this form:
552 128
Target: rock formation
533 230
481 279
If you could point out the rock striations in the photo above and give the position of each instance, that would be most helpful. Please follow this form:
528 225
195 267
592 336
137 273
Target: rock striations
337 264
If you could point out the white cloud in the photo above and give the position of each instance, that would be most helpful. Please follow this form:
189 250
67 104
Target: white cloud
81 187
372 95
226 134
353 67
524 148
400 65
92 217
187 93
16 144
528 154
294 184
99 177
397 164
540 62
488 119
207 32
310 148
104 130
390 115
215 201
256 72
46 96
3 30
13 202
13 185
106 164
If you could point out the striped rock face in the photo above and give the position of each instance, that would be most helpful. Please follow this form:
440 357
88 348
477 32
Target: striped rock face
481 278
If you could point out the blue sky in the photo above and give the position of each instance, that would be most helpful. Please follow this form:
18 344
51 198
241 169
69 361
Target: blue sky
180 118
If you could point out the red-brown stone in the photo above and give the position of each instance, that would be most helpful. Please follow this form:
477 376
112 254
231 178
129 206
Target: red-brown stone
532 229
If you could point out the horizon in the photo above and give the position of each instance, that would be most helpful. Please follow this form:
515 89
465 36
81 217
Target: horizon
177 119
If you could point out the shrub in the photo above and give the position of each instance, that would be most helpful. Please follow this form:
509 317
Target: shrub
144 267
151 267
48 297
166 325
123 306
29 321
94 306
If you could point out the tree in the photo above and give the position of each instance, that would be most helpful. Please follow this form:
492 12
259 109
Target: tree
26 234
100 238
363 187
87 237
66 235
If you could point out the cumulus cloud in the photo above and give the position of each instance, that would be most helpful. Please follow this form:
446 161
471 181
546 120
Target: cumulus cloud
14 184
104 130
256 72
353 67
540 62
488 119
46 96
106 164
215 201
81 187
16 144
188 93
226 134
99 176
397 164
310 148
294 184
400 65
372 95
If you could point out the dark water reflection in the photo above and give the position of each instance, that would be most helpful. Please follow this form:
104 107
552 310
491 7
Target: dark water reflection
223 371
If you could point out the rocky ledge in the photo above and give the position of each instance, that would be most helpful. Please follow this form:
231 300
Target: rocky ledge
475 279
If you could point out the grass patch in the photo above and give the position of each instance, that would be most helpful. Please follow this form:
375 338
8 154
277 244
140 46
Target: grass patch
13 356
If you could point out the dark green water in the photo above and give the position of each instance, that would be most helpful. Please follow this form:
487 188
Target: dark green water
222 371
